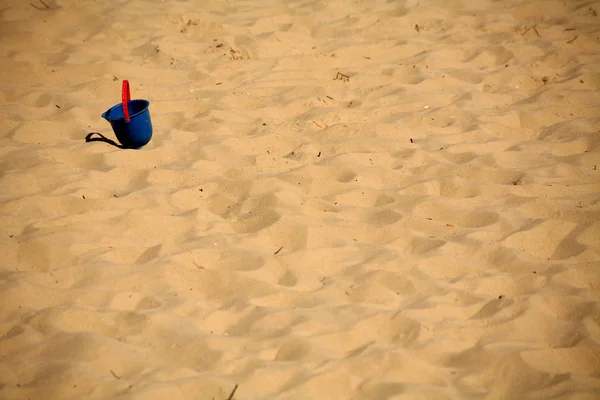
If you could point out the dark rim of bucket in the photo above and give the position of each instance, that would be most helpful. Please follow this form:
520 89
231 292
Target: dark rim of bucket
116 106
146 105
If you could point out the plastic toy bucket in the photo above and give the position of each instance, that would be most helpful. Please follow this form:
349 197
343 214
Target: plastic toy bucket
130 120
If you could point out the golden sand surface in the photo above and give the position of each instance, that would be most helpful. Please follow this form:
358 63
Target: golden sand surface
357 199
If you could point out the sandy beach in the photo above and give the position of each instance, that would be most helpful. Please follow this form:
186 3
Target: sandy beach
341 200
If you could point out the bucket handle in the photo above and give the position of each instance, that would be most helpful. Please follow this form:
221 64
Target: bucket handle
125 97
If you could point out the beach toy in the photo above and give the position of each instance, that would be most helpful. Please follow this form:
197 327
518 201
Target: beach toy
130 120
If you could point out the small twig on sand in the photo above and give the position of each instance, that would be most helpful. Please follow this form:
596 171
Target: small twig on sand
233 392
38 8
572 40
526 30
534 29
115 375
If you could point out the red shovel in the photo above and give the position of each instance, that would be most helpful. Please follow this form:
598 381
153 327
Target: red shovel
125 97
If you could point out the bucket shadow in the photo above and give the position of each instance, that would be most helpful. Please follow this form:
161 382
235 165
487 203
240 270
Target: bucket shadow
90 137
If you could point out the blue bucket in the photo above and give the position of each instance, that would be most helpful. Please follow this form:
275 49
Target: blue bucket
130 121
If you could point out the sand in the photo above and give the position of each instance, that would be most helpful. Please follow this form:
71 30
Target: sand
341 200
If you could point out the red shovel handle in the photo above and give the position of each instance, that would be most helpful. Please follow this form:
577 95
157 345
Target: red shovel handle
126 96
